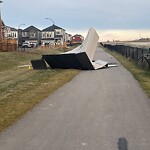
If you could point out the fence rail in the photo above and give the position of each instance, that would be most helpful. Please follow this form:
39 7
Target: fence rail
139 55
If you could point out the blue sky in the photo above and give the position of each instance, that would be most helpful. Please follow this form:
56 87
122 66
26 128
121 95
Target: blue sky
111 18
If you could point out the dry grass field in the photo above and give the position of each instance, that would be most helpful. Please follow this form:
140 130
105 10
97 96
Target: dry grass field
21 88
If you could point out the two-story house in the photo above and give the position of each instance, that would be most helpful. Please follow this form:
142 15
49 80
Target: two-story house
53 35
10 33
30 34
68 37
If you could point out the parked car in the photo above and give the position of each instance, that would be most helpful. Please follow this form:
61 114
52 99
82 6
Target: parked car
33 44
26 45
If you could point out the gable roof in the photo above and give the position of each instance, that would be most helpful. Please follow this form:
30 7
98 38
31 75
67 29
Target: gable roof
52 28
31 28
11 28
77 35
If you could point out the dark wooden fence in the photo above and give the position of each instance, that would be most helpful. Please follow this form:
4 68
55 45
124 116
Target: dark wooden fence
139 55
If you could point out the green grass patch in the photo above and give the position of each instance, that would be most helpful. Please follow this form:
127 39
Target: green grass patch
140 74
22 88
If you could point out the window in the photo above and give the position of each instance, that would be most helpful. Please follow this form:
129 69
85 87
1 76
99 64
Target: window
47 35
24 34
15 34
32 34
58 32
50 34
44 35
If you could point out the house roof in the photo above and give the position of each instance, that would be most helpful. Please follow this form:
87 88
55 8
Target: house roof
78 35
12 28
52 28
31 28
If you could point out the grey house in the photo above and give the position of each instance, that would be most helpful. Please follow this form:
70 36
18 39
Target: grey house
53 35
30 34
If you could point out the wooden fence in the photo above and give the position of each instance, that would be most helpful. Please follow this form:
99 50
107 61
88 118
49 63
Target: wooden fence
8 45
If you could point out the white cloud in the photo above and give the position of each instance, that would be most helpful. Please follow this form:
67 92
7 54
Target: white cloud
79 15
123 35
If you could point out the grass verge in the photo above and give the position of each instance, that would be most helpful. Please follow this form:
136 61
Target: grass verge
140 74
22 88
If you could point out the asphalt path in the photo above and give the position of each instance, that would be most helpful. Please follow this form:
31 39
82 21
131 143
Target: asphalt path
91 112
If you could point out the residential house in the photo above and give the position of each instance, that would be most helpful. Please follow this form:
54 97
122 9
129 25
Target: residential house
30 34
77 39
53 35
68 37
10 33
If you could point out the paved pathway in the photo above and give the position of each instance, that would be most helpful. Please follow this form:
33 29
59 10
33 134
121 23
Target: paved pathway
91 112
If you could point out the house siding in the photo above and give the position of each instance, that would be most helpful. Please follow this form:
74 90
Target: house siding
53 35
31 34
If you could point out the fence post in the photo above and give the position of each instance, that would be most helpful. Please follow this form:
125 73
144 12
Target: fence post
126 51
137 55
142 55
